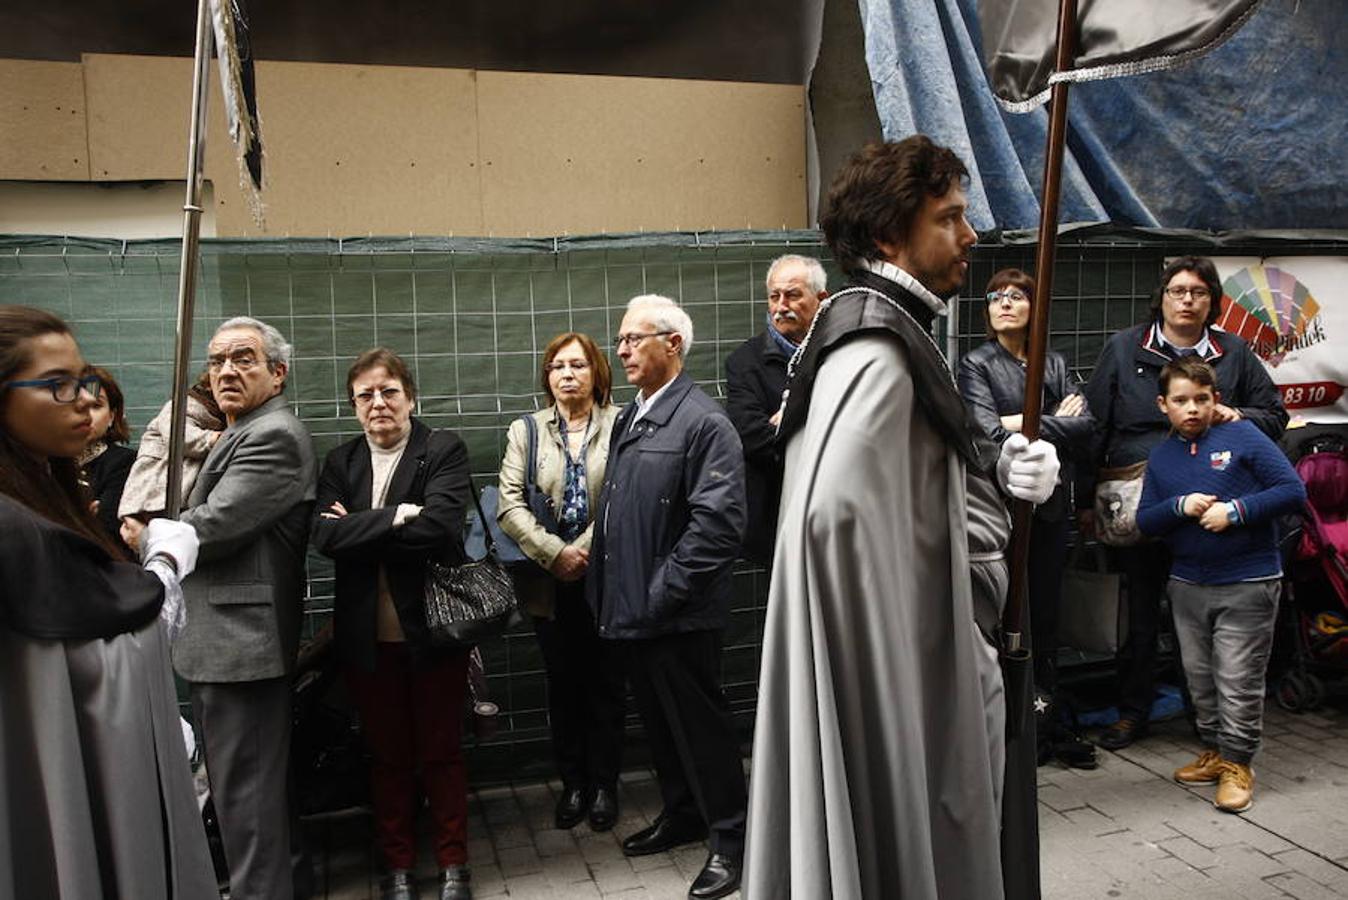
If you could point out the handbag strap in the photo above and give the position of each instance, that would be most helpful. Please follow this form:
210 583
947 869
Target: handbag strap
482 517
531 463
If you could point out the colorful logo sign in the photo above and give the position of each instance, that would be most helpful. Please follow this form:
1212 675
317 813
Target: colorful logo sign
1272 310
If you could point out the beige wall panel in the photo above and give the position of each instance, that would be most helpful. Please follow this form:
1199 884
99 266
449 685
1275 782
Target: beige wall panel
349 150
588 154
138 112
42 121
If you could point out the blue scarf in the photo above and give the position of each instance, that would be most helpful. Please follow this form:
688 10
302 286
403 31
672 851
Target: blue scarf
783 342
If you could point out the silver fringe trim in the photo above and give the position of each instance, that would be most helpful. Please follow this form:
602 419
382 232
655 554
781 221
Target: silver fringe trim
1125 70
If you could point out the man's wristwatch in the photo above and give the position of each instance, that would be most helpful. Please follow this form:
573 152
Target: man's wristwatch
1232 514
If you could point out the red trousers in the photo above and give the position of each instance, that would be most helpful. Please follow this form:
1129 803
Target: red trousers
412 719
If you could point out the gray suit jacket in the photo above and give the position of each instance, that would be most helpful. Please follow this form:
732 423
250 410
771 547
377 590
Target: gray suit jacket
251 507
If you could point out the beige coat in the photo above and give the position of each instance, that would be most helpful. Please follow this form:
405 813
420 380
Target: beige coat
514 515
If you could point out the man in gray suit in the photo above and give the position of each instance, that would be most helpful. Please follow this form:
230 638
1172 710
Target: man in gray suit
251 508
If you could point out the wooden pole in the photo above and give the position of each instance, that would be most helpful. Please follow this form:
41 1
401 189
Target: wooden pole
1022 511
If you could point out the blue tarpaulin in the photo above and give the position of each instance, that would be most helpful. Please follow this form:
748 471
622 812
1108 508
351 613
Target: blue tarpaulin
1250 136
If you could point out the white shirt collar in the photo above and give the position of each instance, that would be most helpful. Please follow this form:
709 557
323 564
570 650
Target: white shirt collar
1203 347
891 272
643 406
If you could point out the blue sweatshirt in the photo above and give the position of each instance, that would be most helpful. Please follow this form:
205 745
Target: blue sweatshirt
1237 463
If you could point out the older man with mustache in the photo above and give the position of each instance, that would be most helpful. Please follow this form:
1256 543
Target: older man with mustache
755 377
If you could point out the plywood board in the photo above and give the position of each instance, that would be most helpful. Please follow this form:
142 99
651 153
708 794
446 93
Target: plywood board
42 121
354 150
588 154
139 107
348 149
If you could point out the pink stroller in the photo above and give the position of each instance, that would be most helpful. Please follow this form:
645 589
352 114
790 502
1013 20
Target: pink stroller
1317 594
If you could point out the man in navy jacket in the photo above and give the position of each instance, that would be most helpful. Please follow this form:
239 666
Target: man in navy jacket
669 526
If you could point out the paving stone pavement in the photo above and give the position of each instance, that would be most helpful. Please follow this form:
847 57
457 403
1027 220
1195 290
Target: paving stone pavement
1124 830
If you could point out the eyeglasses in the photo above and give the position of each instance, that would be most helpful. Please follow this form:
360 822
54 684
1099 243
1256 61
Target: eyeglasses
64 388
1175 292
579 365
242 361
634 339
1011 295
388 395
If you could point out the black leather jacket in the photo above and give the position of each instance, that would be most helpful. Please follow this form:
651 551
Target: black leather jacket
992 382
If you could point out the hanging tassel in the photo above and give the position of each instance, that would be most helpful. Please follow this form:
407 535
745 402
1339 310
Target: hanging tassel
239 87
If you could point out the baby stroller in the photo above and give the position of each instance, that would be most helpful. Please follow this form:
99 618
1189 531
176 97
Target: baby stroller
1316 599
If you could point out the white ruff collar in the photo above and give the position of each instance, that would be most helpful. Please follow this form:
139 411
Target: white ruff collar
891 272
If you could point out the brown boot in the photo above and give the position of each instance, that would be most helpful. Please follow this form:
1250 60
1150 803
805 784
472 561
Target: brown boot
1235 790
1204 770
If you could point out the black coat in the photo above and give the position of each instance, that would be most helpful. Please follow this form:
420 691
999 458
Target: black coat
106 474
432 473
56 584
670 519
1122 396
755 376
992 382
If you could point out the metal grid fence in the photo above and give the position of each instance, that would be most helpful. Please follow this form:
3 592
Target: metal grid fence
471 316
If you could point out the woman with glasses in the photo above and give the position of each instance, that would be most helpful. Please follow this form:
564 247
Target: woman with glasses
1122 394
107 460
96 795
992 381
389 501
585 686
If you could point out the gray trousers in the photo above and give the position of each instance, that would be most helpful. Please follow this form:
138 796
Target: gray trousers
1225 632
246 732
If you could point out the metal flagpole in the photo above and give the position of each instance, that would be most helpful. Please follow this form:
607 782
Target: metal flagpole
187 269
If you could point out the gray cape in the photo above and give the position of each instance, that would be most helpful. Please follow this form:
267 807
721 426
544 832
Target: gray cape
879 742
96 797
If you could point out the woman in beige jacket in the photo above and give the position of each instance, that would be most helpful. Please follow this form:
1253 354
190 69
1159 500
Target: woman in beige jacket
585 686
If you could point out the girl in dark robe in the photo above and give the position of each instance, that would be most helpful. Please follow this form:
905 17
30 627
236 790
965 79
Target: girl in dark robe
96 797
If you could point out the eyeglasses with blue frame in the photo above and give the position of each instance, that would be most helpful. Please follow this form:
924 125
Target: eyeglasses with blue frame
64 388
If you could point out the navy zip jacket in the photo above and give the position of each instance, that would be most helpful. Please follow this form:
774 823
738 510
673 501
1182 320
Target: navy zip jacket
1122 397
670 519
1238 464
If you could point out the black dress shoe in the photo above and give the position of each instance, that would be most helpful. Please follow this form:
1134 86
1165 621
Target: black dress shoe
454 883
603 809
398 885
665 834
1123 732
570 808
1075 752
720 876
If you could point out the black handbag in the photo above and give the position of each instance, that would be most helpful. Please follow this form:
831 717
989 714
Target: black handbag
468 603
1093 606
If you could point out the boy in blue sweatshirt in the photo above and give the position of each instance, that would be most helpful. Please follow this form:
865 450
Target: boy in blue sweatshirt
1212 492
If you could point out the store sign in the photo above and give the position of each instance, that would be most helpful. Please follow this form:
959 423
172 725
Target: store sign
1293 311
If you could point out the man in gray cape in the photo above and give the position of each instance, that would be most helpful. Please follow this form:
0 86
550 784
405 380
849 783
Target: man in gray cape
879 745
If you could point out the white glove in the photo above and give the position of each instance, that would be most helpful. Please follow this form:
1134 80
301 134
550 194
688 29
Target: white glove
173 613
406 512
172 539
1028 471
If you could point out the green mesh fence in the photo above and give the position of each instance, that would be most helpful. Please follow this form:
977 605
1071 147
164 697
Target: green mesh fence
471 316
